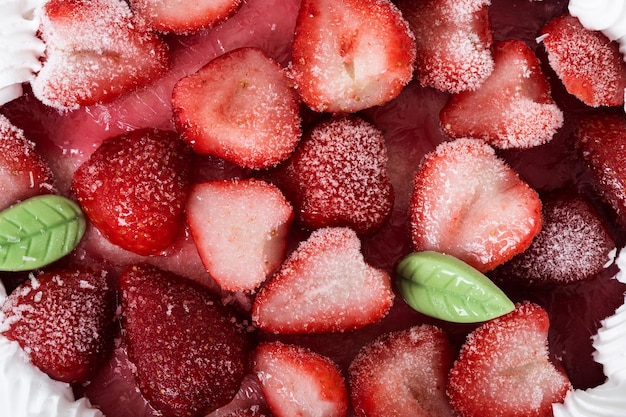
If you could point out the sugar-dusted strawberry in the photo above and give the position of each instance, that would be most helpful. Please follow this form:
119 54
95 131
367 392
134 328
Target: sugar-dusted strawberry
513 108
298 382
453 42
95 52
587 62
134 189
404 373
504 369
239 107
190 352
338 176
64 321
469 203
183 17
325 285
240 228
574 244
351 56
23 172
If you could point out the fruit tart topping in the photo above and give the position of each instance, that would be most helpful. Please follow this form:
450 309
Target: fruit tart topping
444 287
504 369
453 42
338 176
134 188
470 204
239 107
240 228
403 374
325 285
351 55
298 382
587 62
64 322
183 17
513 108
39 231
607 16
190 352
95 52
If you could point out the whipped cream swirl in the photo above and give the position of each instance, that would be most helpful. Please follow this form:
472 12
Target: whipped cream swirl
608 16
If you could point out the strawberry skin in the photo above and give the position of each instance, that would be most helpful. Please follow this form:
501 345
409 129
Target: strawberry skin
189 351
134 188
504 370
364 64
64 321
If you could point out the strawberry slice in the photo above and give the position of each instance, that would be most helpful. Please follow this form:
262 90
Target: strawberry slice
240 228
484 216
64 321
298 382
403 374
513 107
453 42
504 369
134 187
23 172
184 17
351 56
587 62
239 107
81 68
338 176
325 285
189 351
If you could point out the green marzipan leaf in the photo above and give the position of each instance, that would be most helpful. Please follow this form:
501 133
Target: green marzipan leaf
39 231
446 288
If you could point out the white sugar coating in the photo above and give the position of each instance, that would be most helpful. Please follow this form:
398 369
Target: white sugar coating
526 124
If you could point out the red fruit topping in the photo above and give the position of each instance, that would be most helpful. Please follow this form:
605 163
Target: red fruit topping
240 228
299 382
504 370
183 16
94 53
239 107
470 204
23 172
134 187
64 321
338 176
351 56
587 62
403 374
189 351
513 108
325 285
453 42
574 244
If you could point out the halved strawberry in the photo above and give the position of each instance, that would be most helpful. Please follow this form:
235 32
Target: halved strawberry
82 68
504 369
469 203
183 16
23 172
587 62
351 56
190 352
134 188
64 321
404 373
299 382
325 285
240 228
239 107
453 42
338 176
513 107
